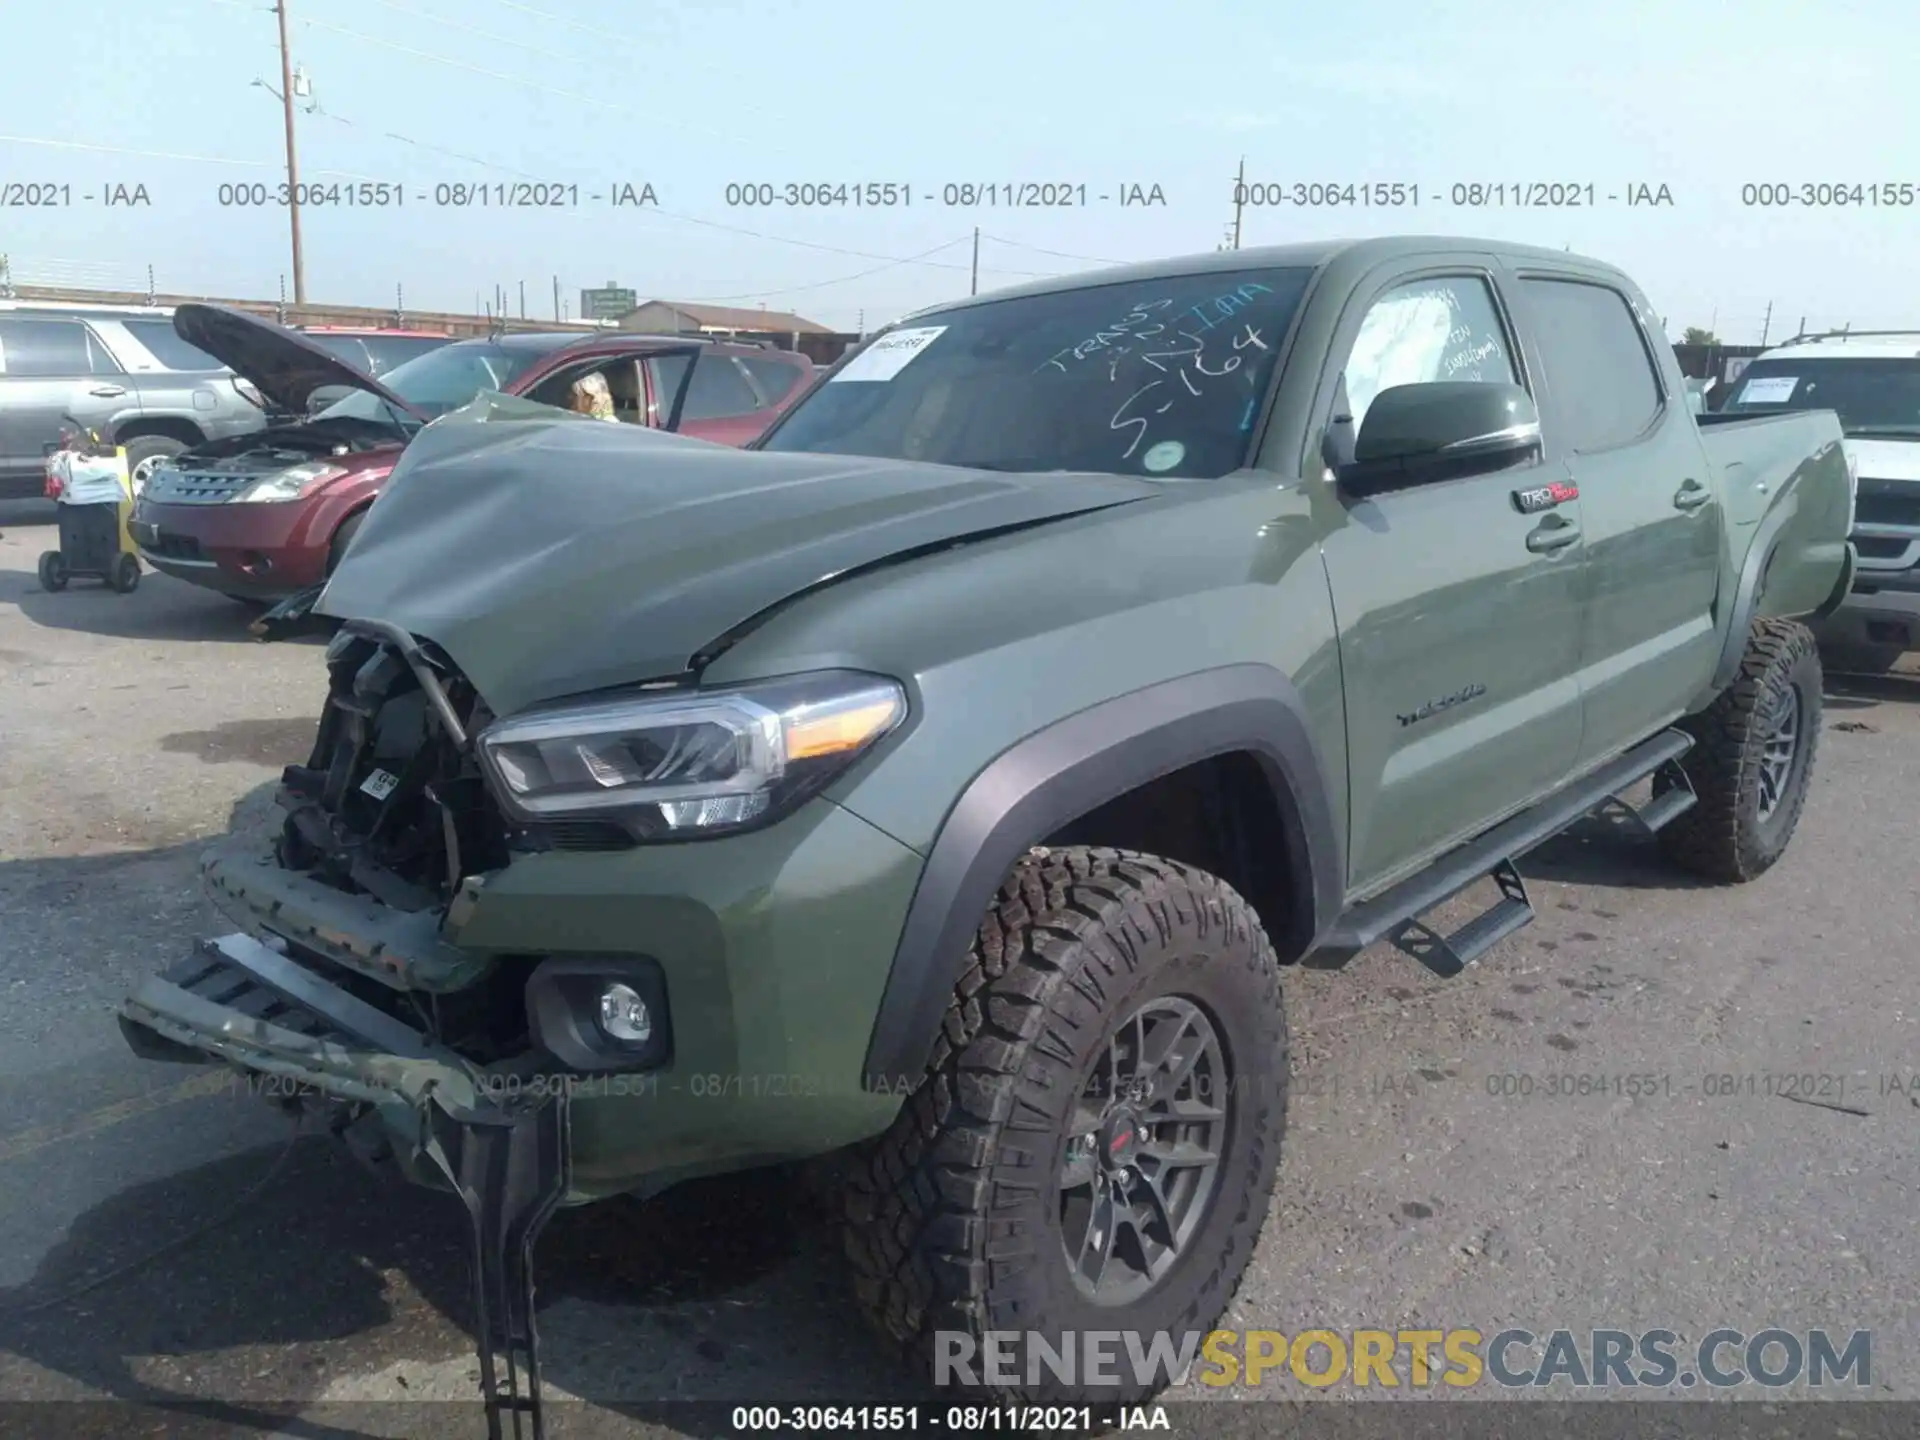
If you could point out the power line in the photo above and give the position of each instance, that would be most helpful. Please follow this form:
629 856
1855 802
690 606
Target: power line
496 38
823 284
652 118
165 155
1056 254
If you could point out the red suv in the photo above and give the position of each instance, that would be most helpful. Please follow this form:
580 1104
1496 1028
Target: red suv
262 516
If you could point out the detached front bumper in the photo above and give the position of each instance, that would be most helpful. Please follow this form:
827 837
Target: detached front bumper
307 1041
772 947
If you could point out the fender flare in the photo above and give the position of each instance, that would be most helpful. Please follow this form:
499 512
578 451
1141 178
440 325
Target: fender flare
1746 595
1061 772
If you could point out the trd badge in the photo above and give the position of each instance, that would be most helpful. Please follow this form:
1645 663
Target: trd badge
1544 497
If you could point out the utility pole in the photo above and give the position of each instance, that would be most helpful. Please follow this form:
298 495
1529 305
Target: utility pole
556 297
293 167
1239 199
975 288
1766 324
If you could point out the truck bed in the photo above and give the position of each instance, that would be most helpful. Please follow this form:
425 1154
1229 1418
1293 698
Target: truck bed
1784 473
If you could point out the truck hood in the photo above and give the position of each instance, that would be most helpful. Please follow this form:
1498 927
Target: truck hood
1886 459
551 555
283 364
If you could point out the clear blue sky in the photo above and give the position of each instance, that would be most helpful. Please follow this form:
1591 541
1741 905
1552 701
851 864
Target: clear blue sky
689 97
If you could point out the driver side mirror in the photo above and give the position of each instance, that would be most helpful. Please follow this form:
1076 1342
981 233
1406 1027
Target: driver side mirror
1417 434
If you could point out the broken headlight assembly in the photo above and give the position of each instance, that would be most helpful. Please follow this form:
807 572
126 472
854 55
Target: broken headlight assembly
289 484
688 763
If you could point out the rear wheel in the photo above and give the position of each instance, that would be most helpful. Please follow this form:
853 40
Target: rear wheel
1095 1139
1752 759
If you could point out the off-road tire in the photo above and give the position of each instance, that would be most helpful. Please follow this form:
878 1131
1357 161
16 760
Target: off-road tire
1723 836
952 1215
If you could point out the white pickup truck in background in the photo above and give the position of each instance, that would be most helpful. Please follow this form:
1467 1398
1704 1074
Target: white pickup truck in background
1872 379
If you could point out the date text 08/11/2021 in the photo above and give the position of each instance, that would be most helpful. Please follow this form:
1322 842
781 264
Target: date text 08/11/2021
446 195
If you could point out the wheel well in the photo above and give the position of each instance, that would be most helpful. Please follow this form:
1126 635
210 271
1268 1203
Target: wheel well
1225 816
185 431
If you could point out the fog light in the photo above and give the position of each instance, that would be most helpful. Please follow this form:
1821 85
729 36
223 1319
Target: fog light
624 1015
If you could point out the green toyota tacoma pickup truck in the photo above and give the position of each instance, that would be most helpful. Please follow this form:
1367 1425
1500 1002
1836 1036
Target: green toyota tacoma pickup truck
949 780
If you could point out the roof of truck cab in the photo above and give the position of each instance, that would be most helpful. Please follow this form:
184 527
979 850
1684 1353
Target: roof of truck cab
1359 255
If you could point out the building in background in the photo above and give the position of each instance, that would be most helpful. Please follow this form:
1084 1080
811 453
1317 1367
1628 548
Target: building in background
609 302
777 328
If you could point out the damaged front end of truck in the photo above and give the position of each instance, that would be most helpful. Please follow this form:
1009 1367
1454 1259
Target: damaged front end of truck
346 990
518 566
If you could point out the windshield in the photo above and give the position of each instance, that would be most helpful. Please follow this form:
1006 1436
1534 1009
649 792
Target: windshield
1156 377
1873 397
441 380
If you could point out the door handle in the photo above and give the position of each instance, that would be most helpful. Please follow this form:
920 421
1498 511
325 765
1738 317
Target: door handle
107 392
1691 496
1552 534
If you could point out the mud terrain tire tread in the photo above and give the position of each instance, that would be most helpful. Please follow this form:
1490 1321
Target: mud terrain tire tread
1721 838
928 1231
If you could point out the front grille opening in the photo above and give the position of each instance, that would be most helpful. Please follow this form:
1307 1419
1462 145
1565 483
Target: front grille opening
1879 547
389 804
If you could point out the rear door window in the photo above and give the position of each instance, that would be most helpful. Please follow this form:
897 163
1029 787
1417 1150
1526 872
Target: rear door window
719 387
44 347
168 348
1599 371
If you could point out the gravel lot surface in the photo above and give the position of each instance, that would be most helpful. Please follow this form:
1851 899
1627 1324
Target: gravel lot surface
135 728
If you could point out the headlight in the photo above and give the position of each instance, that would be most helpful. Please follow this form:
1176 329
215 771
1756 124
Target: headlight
690 762
289 484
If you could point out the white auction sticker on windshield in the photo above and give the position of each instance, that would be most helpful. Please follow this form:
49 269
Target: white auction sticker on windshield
890 354
1769 390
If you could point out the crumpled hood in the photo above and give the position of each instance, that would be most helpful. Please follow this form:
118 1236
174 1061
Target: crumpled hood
283 365
549 554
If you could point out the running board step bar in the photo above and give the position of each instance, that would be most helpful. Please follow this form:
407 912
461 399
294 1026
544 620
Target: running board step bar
1394 916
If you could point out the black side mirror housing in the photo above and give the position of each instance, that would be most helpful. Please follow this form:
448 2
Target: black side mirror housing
1418 434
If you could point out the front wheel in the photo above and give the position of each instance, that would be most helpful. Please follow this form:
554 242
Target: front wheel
1752 759
1094 1143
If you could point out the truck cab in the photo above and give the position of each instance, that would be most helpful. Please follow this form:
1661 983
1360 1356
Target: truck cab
1872 380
